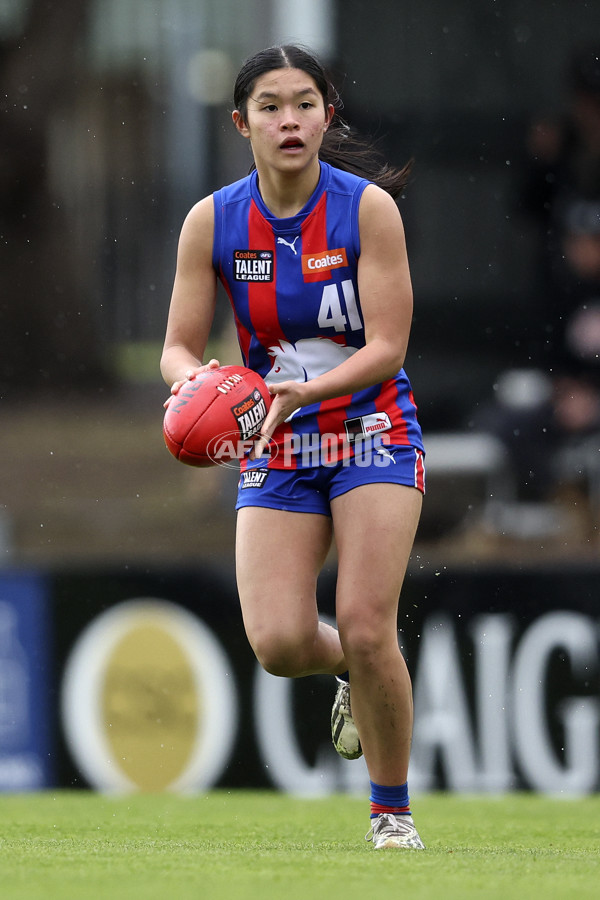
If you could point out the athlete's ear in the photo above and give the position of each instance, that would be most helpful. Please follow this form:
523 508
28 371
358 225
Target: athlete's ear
329 114
238 121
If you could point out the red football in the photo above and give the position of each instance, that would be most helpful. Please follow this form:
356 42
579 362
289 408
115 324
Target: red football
213 418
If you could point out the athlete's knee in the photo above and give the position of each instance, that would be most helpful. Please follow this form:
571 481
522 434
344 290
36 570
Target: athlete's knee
365 638
282 667
280 661
279 653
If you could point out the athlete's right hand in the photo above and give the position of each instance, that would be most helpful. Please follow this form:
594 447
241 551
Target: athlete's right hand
287 399
189 375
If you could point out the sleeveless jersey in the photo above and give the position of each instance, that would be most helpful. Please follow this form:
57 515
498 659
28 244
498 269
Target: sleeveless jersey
293 287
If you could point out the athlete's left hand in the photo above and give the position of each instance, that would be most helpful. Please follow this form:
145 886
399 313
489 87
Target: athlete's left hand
288 397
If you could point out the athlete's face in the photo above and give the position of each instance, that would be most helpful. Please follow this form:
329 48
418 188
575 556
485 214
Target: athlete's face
285 120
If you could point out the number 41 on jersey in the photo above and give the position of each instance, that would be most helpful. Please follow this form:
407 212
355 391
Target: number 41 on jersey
339 309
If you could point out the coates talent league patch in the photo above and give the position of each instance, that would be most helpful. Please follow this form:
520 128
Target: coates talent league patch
253 478
253 265
250 413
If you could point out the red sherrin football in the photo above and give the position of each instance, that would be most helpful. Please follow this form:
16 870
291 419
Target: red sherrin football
213 418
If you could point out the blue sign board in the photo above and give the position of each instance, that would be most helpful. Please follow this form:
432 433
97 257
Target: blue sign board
25 717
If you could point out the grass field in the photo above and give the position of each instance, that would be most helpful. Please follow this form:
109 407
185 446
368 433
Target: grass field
251 845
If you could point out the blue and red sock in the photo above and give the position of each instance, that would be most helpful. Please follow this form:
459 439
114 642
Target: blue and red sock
392 799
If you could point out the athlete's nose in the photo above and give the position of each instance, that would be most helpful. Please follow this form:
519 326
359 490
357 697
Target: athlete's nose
289 121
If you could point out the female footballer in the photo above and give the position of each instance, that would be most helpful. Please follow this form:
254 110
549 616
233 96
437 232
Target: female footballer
325 320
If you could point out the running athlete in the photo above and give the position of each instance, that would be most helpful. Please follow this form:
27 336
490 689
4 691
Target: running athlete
310 248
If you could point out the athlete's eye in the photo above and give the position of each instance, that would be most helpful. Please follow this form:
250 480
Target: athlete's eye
270 107
306 104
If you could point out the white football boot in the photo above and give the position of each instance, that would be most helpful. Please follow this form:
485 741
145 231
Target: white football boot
343 730
388 831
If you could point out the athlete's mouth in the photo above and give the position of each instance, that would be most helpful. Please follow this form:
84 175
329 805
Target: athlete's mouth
291 144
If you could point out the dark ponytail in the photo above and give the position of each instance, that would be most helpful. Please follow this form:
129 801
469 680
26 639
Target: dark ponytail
340 147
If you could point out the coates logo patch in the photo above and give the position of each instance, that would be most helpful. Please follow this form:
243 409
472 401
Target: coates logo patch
319 265
253 265
367 425
250 413
253 478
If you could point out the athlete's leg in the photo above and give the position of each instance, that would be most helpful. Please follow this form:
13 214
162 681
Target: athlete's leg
278 557
375 526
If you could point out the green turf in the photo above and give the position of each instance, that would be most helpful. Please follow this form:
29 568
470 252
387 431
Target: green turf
247 845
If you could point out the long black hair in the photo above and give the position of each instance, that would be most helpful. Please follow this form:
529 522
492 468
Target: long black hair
340 147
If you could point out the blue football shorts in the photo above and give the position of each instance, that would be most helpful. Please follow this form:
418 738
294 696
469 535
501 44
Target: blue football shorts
311 489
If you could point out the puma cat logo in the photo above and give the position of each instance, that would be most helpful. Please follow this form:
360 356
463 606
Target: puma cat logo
281 240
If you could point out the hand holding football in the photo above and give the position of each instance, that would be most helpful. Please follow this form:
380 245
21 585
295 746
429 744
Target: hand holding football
213 418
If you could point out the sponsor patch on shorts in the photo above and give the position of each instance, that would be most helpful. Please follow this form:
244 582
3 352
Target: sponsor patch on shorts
253 478
367 425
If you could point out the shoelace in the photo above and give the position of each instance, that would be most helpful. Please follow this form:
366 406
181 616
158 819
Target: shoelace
345 708
387 823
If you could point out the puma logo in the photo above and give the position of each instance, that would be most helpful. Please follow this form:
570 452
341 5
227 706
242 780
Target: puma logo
292 247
